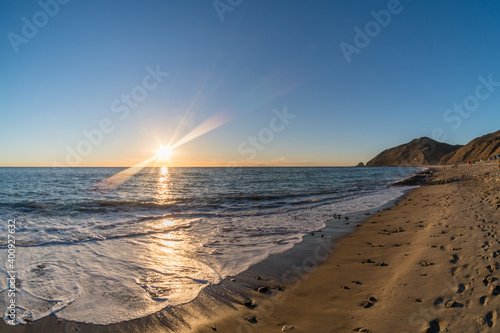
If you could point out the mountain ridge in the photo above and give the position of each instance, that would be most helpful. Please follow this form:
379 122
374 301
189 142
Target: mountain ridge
480 148
418 152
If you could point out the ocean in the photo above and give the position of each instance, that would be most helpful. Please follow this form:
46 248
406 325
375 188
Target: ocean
96 255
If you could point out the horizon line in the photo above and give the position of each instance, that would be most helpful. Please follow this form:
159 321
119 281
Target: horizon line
186 166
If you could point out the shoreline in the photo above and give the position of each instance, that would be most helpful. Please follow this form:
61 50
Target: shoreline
232 292
224 296
427 264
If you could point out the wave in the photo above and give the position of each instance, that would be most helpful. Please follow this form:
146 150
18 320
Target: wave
90 238
190 204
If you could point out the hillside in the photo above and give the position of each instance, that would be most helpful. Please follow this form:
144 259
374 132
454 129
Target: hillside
422 151
480 148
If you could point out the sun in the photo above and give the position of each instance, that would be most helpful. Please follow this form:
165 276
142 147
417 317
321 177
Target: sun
163 153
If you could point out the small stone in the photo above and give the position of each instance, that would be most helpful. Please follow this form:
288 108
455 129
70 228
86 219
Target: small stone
251 319
426 263
258 278
287 328
346 287
382 264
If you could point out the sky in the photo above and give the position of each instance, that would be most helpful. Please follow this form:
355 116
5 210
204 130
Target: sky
240 82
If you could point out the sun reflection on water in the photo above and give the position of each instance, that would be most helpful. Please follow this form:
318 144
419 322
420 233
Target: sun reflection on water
163 186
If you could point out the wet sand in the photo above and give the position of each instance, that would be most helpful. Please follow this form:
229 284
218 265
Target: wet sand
427 264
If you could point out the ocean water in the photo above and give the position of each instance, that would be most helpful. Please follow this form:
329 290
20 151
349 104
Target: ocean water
101 256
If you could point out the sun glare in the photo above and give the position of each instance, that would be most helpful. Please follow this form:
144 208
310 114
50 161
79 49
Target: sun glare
164 153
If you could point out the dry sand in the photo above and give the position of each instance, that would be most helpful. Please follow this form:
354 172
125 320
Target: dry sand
426 265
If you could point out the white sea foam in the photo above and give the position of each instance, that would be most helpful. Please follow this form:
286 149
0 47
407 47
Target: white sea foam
99 279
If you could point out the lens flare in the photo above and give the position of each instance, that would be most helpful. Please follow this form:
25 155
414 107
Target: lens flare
208 125
111 183
164 153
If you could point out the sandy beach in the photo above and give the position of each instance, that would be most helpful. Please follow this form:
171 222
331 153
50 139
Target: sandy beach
426 265
250 166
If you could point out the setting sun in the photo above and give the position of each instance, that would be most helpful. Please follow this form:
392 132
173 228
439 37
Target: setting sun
163 153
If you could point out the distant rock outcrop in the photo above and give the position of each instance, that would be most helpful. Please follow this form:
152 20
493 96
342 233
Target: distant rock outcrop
360 164
480 148
418 152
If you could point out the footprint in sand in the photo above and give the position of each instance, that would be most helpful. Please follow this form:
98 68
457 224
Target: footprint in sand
489 279
368 303
454 304
438 301
461 288
495 291
433 327
489 320
483 300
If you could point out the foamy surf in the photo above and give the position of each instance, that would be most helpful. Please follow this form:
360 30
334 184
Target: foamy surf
116 266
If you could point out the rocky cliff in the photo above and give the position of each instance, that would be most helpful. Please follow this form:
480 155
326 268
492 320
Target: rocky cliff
418 152
480 148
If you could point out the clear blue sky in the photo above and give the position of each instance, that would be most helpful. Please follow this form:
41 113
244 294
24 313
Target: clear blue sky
70 75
